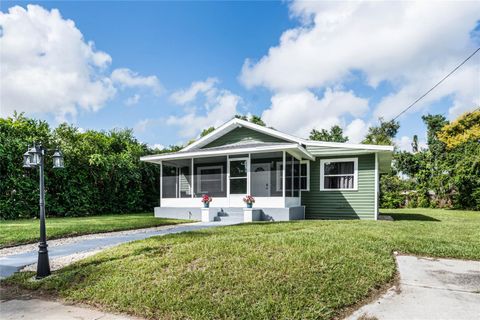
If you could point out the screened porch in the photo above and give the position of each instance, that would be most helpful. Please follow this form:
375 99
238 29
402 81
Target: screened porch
275 179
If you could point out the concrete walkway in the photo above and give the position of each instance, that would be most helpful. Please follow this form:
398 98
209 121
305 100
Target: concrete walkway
35 309
429 289
9 264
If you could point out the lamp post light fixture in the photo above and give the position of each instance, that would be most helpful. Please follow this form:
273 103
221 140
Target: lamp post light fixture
33 158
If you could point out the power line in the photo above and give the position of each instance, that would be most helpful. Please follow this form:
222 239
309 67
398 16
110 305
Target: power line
438 83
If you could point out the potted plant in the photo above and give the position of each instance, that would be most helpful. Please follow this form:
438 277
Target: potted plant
249 200
206 199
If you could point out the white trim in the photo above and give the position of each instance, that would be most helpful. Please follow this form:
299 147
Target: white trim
237 123
203 153
199 180
161 182
307 162
284 175
192 170
377 182
347 145
228 179
249 174
355 173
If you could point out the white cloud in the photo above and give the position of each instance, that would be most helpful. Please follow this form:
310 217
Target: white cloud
410 44
221 108
300 112
142 125
49 68
185 96
356 131
157 146
206 106
405 144
133 100
127 78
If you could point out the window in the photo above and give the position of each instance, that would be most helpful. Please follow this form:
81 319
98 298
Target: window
209 179
339 174
305 175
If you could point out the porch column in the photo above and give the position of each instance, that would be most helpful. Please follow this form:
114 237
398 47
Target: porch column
249 181
283 176
192 178
161 181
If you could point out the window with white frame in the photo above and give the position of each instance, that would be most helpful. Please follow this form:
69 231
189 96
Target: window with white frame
339 174
305 175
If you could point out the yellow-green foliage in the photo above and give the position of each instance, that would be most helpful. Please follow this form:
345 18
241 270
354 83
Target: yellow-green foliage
464 128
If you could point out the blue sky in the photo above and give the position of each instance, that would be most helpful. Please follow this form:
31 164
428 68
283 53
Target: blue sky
321 73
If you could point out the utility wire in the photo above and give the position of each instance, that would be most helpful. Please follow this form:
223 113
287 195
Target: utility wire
438 83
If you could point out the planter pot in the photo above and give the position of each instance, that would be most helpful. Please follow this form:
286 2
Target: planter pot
249 205
206 205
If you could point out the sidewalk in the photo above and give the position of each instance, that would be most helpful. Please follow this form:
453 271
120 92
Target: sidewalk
26 307
429 289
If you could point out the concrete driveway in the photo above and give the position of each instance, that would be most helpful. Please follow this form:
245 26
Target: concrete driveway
11 263
429 289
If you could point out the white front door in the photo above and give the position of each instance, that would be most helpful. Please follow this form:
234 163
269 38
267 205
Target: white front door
238 181
260 177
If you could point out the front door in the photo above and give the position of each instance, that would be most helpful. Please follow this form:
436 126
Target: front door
260 177
238 181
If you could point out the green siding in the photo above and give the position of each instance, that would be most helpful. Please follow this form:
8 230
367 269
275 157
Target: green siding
358 204
242 135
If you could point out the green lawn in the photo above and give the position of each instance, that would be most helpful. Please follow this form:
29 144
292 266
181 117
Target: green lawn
14 232
305 269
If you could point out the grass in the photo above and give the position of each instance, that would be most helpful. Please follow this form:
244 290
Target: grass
304 269
15 232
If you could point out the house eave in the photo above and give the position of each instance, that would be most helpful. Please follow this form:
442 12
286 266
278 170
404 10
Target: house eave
295 148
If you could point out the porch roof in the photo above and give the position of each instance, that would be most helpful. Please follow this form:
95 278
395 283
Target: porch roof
294 148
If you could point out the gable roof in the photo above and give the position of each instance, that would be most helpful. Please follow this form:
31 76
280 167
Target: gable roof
237 123
234 124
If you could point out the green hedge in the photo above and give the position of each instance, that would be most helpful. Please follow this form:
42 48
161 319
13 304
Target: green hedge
102 171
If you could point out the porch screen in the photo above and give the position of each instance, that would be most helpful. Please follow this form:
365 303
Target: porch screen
210 176
176 179
292 176
266 174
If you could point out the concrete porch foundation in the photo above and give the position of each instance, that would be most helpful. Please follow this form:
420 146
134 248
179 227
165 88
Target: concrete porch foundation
255 214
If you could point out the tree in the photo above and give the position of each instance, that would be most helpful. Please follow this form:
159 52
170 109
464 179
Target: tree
334 135
465 128
206 131
253 119
415 144
460 165
103 172
434 124
257 120
382 134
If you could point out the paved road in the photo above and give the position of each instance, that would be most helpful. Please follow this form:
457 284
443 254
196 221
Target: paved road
11 263
429 289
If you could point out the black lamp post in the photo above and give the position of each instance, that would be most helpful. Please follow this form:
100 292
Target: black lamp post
34 157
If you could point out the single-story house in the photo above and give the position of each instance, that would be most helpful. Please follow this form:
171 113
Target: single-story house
289 177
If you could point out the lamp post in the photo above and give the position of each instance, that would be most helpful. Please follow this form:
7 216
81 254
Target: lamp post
34 157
